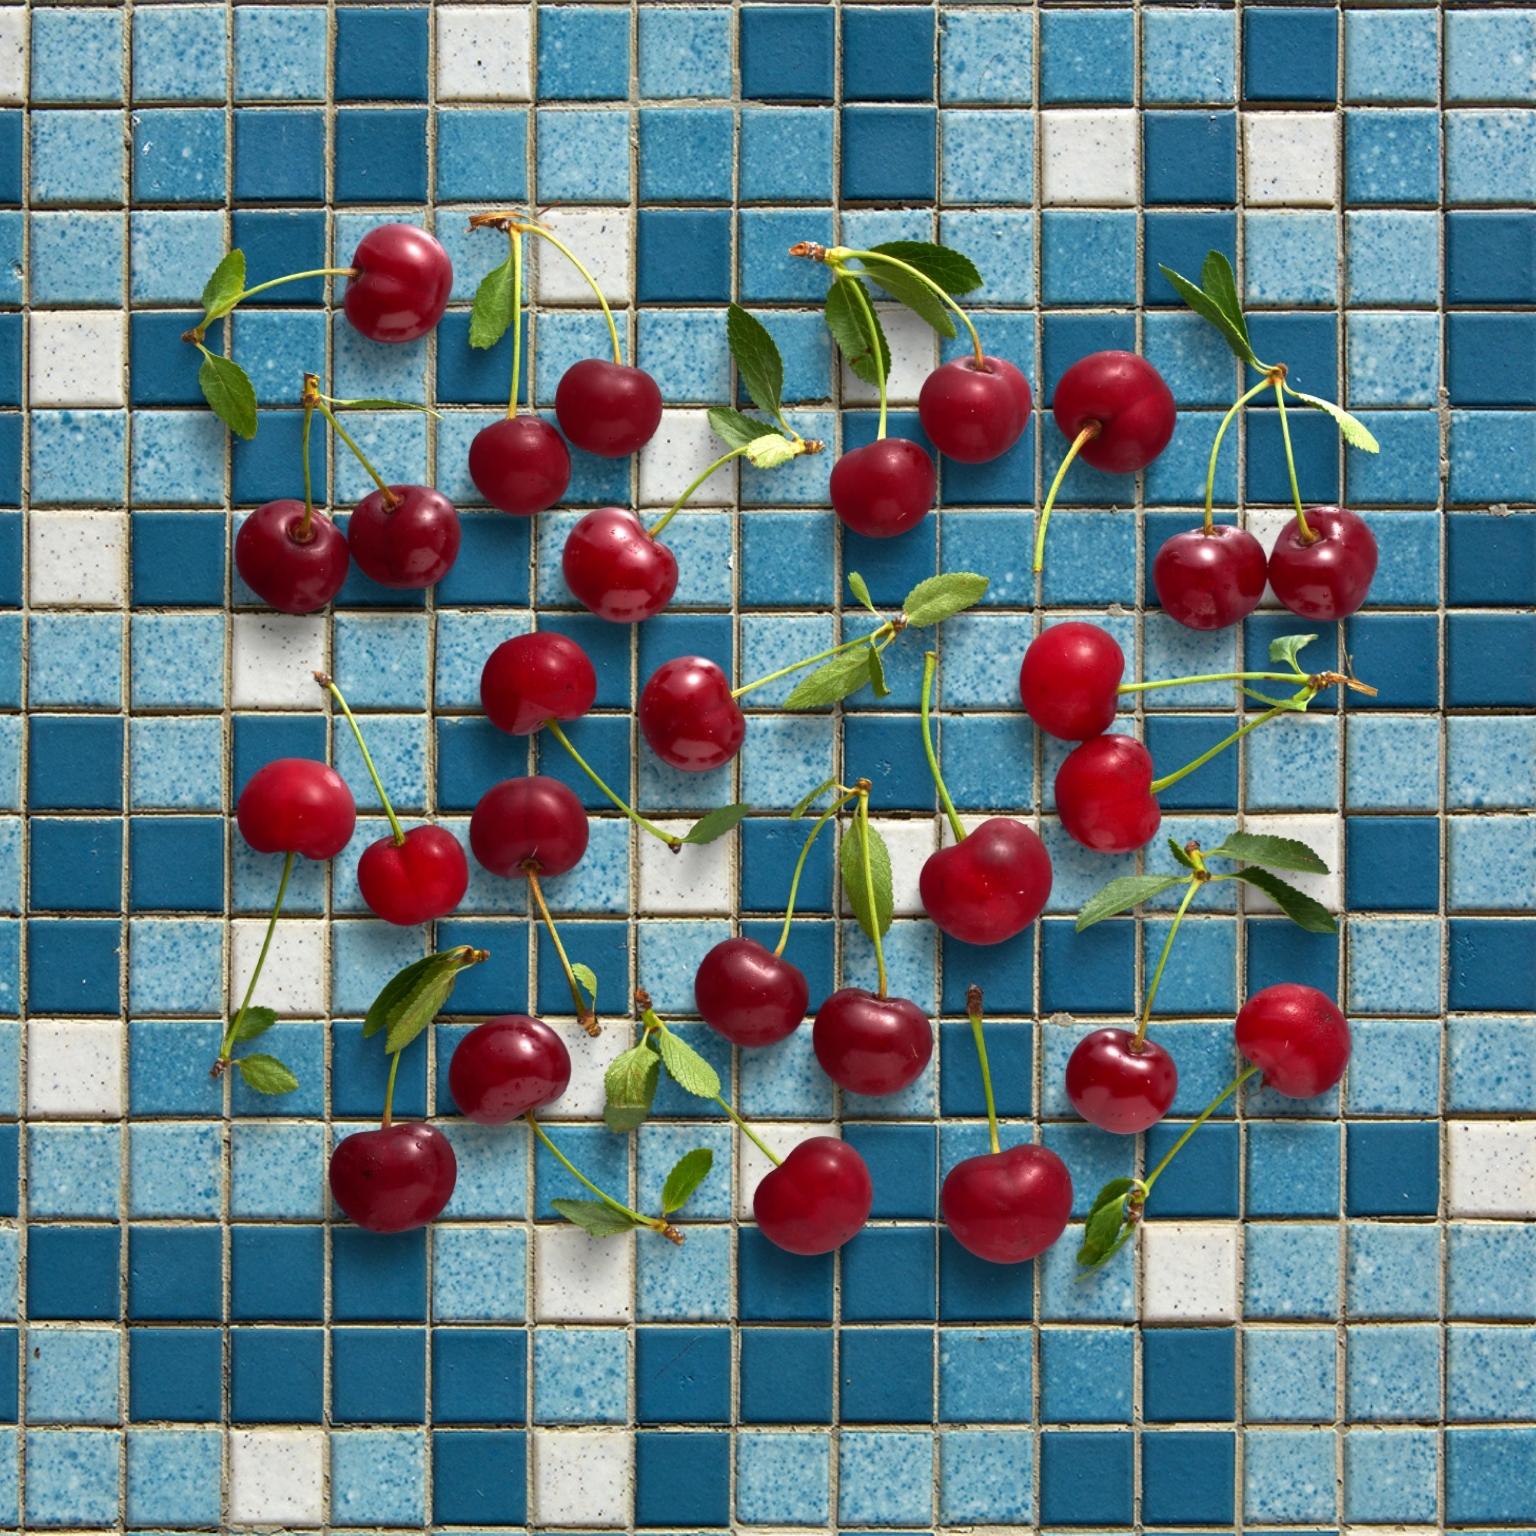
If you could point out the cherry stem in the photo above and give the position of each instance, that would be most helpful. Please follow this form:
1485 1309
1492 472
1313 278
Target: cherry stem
389 1090
747 1131
973 1009
1158 785
930 665
839 253
698 480
655 1223
1305 533
515 240
1083 438
1208 677
794 880
575 261
201 329
313 398
584 1015
1221 432
1205 1114
305 532
233 1032
886 631
672 842
877 352
1196 880
869 886
362 746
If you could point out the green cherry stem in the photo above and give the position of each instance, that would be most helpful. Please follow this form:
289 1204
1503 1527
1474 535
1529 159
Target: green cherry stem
1159 785
838 254
555 730
1304 532
584 1014
973 1011
1198 876
396 830
794 880
1221 432
233 1032
1079 442
1209 677
877 352
655 1223
389 1090
869 887
1205 1114
575 261
698 480
303 534
312 397
930 665
879 638
196 334
515 240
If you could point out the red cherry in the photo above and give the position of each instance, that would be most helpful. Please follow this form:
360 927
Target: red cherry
749 994
534 820
1120 1086
503 1068
616 569
1069 678
816 1199
1007 1206
520 464
286 572
1104 795
1328 578
533 678
606 408
1209 579
402 282
689 717
296 805
871 1045
974 412
990 886
883 488
395 1178
1296 1036
416 881
1126 397
408 545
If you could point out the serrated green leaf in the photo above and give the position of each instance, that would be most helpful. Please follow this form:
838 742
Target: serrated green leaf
594 1218
1307 914
771 450
758 363
254 1022
629 1088
941 597
860 590
877 674
1122 894
1219 281
689 1070
831 681
849 326
227 389
850 863
717 823
1207 308
1111 1191
413 997
737 430
386 405
225 285
1176 848
1288 647
588 979
915 294
1271 852
1100 1231
1351 428
952 271
492 313
266 1074
690 1170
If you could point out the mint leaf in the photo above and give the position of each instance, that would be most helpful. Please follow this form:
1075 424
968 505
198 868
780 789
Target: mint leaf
1220 282
831 681
629 1088
223 289
1176 848
1208 309
1351 429
941 597
1288 647
915 294
266 1074
1272 852
689 1070
413 997
254 1022
492 313
594 1218
716 823
227 389
735 429
1302 910
690 1170
1123 894
850 863
877 674
588 979
953 272
757 359
1107 1228
849 326
857 586
770 450
807 801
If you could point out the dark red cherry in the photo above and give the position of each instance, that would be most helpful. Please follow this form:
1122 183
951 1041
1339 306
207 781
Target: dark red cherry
520 464
869 1044
989 887
974 412
296 805
616 569
816 1199
1330 577
286 569
1007 1206
410 544
1104 795
1069 678
537 677
503 1068
1209 580
883 488
1296 1036
689 717
394 1179
1119 1086
401 282
533 821
606 408
1126 397
749 994
416 881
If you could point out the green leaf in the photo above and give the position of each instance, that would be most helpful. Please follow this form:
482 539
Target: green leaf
1176 848
629 1088
877 674
1272 852
254 1022
386 405
1220 282
1302 910
1291 703
1207 308
953 272
412 998
689 1070
1101 1229
492 313
588 979
1351 428
1123 894
1288 647
850 863
771 450
850 330
223 289
831 681
941 597
266 1074
860 590
227 389
717 823
1111 1191
594 1218
737 430
915 294
690 1170
757 359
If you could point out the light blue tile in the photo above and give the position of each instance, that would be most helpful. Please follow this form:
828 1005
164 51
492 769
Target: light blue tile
1291 258
72 1375
277 1171
1289 1375
580 1376
179 53
1391 1475
175 965
1394 358
77 257
1188 56
280 53
1490 157
378 1477
1394 965
986 1475
1394 1066
175 1170
1385 758
72 1476
477 1274
783 1479
884 1478
687 1284
1393 1373
1488 56
1291 1270
174 1477
1288 1476
73 1170
1492 862
1392 1270
1391 56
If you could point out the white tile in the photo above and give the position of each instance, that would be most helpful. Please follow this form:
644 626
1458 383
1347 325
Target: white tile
293 979
277 1476
696 879
1290 159
75 1068
1322 834
13 55
683 448
584 1098
483 53
582 1477
78 559
601 237
914 355
1492 1167
1265 524
1189 1272
275 658
783 1136
1089 159
581 1279
77 357
910 843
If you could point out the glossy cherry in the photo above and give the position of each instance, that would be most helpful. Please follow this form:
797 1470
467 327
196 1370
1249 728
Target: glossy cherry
503 1068
1119 1086
1104 795
1329 577
417 881
520 464
990 886
883 488
974 412
616 569
296 805
749 994
607 408
394 1179
871 1045
536 677
1296 1036
531 821
689 717
286 568
1007 1206
816 1199
401 282
1125 397
410 542
1069 678
1210 578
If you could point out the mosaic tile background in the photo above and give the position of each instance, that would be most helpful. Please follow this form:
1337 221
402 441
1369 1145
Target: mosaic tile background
1328 1323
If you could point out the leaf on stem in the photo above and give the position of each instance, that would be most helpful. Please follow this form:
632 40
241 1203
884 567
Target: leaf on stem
227 389
1302 910
915 294
717 823
1106 1228
225 285
587 978
1176 848
595 1218
690 1170
831 681
266 1074
770 450
1287 648
492 313
1273 852
412 998
1123 894
689 1070
860 590
952 271
629 1088
758 363
850 863
1208 309
254 1022
877 674
735 429
1351 428
941 597
1220 282
850 330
